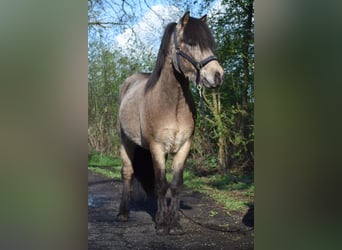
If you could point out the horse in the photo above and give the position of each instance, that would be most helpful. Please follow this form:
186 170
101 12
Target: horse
157 115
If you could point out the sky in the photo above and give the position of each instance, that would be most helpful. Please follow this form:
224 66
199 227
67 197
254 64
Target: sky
149 26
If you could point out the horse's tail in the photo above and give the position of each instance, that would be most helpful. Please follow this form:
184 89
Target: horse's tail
143 169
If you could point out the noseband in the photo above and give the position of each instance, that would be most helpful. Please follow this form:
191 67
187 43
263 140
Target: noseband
198 65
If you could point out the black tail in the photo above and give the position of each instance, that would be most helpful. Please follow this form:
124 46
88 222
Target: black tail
143 169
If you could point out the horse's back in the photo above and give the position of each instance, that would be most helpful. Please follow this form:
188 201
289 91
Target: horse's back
131 99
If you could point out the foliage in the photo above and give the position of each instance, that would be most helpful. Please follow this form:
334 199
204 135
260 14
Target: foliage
230 111
107 69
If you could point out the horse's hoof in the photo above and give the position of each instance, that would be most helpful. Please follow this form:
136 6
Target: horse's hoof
122 217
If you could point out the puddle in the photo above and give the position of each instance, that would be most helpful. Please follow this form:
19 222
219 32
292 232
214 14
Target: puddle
91 201
97 201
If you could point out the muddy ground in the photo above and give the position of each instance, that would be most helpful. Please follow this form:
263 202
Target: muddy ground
205 223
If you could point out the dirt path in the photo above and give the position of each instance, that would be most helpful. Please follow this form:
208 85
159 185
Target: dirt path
198 214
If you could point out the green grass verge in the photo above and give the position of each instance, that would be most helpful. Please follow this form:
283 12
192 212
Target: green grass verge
232 192
105 165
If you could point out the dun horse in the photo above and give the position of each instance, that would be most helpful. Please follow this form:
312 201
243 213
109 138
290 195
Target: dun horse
157 115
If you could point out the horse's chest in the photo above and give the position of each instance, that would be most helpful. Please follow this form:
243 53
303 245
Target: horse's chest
170 122
173 138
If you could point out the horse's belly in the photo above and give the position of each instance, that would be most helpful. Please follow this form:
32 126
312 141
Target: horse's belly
129 118
129 125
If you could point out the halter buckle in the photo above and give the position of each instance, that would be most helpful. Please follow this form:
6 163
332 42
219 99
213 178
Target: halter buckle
199 88
198 66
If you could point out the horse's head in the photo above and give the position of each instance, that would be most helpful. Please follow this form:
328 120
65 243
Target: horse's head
193 52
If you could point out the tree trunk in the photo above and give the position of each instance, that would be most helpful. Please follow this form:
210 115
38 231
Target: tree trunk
246 108
247 78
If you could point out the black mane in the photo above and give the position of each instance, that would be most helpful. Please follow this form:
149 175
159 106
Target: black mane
162 55
197 33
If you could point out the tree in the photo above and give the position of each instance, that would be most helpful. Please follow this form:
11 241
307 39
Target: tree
230 119
107 69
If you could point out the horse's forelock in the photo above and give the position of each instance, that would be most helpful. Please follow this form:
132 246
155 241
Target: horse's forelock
197 33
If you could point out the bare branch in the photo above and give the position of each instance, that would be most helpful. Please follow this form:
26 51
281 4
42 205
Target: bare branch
103 24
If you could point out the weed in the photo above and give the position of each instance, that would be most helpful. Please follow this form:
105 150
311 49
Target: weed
212 213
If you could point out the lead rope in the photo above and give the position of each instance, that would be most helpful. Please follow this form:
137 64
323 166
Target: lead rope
216 227
202 109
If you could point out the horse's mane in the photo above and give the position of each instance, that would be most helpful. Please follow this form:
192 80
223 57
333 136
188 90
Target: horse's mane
162 54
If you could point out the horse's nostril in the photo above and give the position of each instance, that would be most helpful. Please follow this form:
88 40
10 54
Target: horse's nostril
218 78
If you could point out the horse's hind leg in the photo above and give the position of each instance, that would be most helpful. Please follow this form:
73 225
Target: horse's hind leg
176 185
127 151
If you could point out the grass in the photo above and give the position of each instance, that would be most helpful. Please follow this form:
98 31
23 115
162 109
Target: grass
234 193
105 165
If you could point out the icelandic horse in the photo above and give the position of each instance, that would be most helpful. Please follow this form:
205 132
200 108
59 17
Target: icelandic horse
157 115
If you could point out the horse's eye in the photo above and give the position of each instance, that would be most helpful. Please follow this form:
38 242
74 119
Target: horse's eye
192 43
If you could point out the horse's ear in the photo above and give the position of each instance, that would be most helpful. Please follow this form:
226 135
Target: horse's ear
204 18
185 18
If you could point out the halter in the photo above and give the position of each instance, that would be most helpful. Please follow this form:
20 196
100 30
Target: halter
198 65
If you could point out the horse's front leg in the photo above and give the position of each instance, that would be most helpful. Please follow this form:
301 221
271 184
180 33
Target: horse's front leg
159 158
176 185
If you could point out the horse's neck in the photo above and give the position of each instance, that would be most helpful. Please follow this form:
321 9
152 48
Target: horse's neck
174 87
169 104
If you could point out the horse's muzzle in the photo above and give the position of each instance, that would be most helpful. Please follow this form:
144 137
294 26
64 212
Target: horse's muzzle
212 81
218 79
